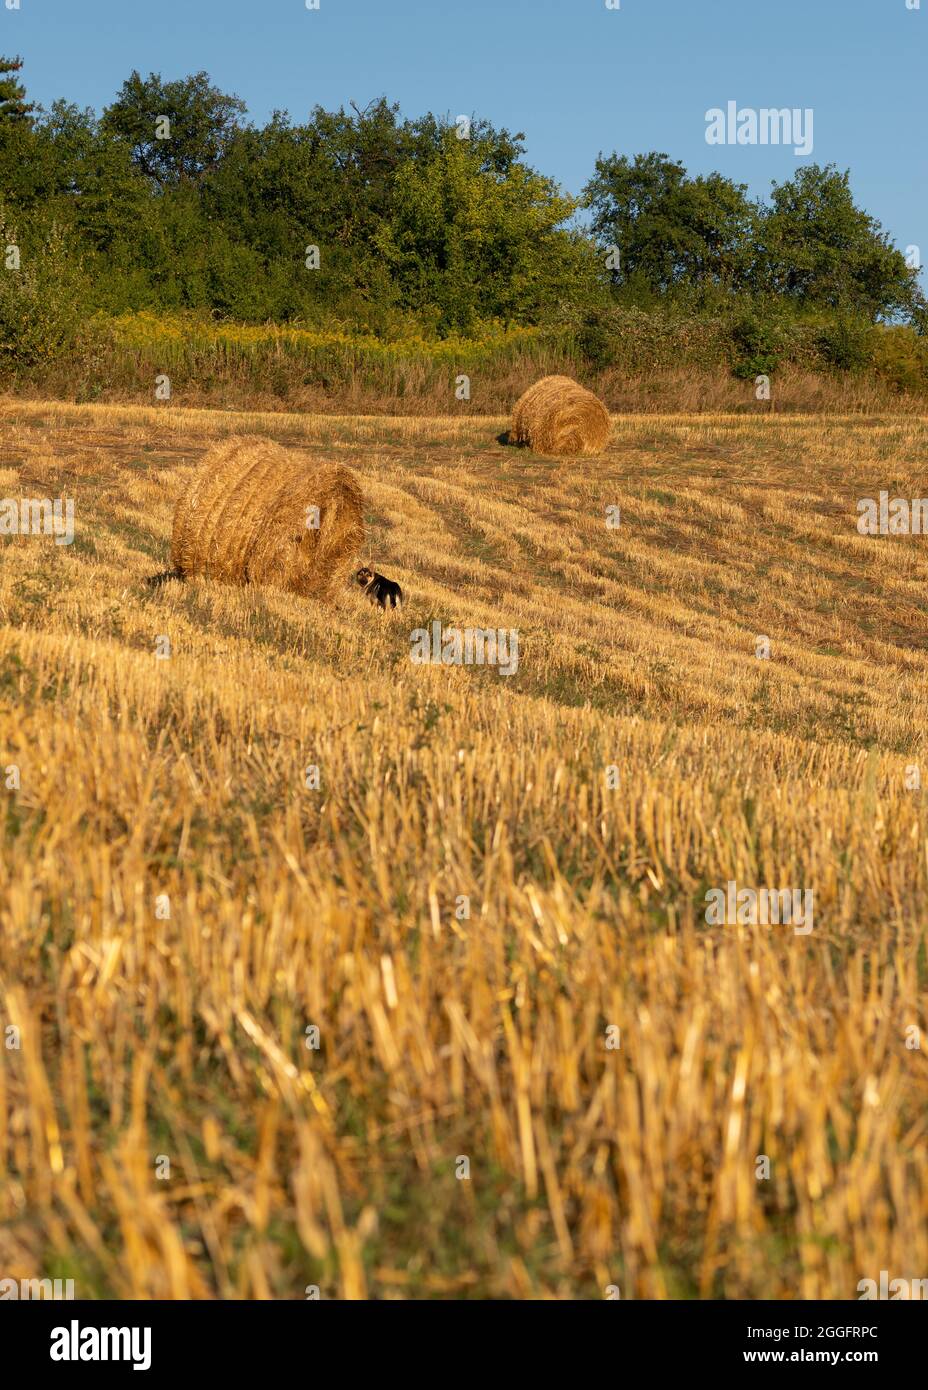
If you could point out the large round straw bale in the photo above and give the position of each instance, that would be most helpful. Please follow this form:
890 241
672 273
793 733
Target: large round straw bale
249 517
559 416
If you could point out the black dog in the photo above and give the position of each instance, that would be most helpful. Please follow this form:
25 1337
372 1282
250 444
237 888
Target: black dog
379 588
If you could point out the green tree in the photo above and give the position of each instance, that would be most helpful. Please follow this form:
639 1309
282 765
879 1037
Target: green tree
13 104
327 183
202 121
671 230
474 234
819 249
61 170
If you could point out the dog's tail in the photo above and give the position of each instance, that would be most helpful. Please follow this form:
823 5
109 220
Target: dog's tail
155 580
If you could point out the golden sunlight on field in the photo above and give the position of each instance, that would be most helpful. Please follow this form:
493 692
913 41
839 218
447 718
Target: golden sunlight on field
539 1072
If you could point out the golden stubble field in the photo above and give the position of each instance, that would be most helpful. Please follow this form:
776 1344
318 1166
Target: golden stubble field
179 907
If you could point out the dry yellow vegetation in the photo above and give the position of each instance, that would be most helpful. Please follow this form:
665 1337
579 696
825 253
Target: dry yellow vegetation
151 786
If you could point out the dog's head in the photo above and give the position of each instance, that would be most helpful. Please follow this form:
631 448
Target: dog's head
364 576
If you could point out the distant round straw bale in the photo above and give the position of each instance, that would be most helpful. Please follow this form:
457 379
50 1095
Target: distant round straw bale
559 416
256 513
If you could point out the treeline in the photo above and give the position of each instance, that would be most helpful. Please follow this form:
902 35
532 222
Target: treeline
360 221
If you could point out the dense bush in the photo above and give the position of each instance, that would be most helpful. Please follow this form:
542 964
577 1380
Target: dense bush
900 356
756 345
846 343
40 292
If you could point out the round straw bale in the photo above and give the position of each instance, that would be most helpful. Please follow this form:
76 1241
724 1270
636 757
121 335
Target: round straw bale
256 513
559 416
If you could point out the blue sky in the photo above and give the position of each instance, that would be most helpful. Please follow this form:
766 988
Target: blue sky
576 77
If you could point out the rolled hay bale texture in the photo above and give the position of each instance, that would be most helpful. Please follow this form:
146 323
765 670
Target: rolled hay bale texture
559 416
244 519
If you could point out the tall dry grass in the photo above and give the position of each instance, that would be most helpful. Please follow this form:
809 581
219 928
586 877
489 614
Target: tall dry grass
682 367
443 1035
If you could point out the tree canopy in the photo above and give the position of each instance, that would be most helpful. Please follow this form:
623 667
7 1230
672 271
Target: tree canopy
811 244
172 198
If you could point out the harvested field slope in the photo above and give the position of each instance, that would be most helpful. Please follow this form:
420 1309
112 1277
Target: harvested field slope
178 786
